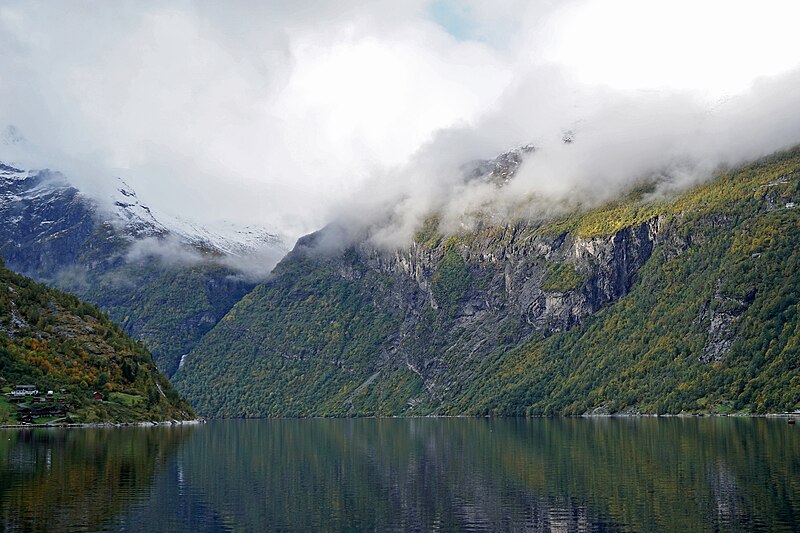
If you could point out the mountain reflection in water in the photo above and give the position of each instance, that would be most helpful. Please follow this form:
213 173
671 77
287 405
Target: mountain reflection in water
620 474
78 479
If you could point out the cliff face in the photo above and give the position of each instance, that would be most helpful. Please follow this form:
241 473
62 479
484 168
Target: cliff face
493 290
550 282
653 306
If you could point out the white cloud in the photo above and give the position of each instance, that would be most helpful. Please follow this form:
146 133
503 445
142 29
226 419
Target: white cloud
261 113
716 47
289 113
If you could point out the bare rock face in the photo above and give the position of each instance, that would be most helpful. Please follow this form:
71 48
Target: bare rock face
719 318
507 283
515 273
720 337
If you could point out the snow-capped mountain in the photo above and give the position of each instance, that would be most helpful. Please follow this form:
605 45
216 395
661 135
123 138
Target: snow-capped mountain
221 237
167 281
136 218
22 182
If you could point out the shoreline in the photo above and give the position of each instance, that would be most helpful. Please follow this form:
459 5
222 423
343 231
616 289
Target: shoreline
193 422
198 421
787 415
537 417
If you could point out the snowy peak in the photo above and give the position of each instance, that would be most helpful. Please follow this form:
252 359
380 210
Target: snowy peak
226 237
218 237
137 218
222 237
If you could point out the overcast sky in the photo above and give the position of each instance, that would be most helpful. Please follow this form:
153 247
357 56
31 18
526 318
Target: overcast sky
288 114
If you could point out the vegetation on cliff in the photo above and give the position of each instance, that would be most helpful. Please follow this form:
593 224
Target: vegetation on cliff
651 304
168 307
56 342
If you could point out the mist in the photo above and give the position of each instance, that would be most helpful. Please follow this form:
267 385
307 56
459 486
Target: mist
618 140
291 116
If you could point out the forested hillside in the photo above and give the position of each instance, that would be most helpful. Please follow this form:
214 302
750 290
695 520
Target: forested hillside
651 304
83 366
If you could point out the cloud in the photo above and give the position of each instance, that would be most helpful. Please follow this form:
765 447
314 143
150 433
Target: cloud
257 112
169 251
620 139
291 114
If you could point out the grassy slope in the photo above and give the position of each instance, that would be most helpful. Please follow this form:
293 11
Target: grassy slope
309 341
52 339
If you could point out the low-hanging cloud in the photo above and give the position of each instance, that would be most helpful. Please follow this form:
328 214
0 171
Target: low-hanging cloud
170 251
618 140
291 115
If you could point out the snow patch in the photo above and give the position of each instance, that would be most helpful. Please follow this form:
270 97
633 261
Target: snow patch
20 181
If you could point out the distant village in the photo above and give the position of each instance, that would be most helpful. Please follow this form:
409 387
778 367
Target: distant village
34 405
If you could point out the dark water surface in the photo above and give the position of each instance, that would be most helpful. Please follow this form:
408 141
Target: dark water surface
621 474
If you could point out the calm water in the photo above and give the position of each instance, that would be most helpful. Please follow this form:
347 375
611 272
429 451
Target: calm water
406 475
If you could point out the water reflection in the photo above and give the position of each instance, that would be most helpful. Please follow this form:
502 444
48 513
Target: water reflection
410 475
77 479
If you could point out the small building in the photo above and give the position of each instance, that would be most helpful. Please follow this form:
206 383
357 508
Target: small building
97 395
25 390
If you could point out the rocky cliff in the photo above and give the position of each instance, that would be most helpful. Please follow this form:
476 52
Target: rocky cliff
644 305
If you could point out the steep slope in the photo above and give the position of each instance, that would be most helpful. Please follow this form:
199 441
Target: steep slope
55 342
165 284
643 305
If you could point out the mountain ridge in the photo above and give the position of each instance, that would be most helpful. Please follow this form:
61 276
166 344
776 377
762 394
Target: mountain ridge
494 321
163 291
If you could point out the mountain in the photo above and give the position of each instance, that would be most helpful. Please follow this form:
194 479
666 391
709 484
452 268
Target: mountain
648 304
166 281
54 342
